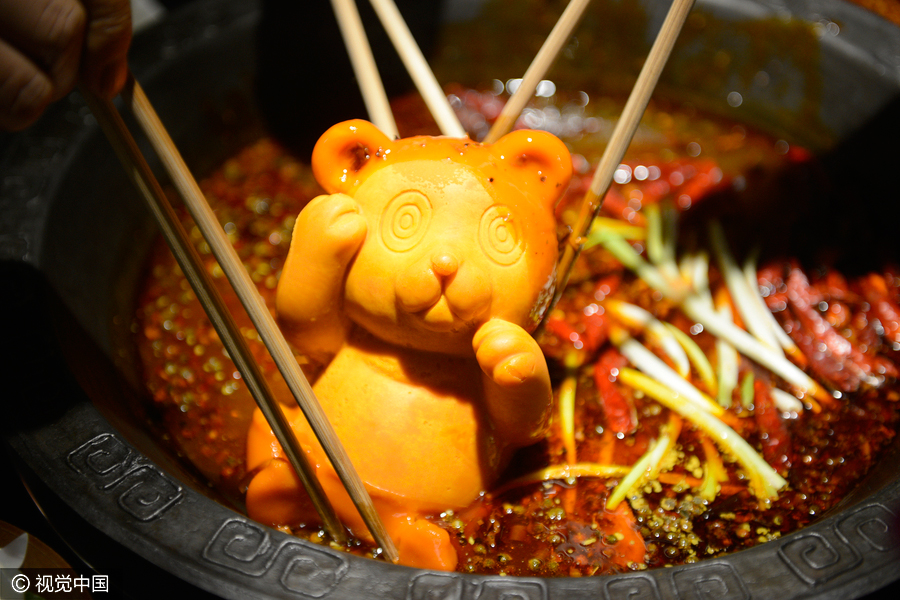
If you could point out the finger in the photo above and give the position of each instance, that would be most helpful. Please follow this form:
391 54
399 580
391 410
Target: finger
488 329
25 90
515 369
497 341
104 65
50 34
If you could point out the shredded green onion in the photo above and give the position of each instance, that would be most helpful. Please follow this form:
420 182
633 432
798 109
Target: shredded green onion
697 308
567 414
670 232
566 473
695 270
650 364
618 226
747 390
785 401
643 468
749 346
780 335
727 362
697 356
745 297
765 482
709 489
662 227
628 256
656 252
713 472
656 331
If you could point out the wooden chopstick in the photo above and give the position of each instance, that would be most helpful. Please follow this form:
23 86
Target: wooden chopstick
257 310
259 314
192 266
375 98
418 68
542 62
621 136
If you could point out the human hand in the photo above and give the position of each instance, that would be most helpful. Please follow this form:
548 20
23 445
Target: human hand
46 46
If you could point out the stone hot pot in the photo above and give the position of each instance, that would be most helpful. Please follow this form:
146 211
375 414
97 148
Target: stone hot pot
72 236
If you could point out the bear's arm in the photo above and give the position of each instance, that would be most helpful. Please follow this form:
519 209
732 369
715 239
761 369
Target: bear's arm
328 233
517 390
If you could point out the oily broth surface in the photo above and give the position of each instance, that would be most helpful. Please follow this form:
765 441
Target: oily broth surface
553 528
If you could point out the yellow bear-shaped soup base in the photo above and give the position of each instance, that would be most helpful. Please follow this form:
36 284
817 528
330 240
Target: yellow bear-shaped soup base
417 280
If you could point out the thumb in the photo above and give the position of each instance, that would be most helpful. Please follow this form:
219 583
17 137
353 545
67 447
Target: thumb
104 65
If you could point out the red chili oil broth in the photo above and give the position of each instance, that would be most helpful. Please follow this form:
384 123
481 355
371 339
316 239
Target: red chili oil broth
555 528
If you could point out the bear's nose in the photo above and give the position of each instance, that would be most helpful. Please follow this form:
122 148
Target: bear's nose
444 264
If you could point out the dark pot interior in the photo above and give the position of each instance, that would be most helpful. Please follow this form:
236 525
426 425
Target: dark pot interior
73 234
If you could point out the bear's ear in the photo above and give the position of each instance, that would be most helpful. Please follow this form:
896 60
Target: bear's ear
343 151
537 159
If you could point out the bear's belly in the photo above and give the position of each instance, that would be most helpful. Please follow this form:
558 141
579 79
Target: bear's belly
412 423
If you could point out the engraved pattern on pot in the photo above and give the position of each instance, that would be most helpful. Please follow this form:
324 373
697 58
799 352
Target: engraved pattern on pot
247 548
632 587
494 589
435 586
816 559
716 581
308 571
870 527
105 460
146 493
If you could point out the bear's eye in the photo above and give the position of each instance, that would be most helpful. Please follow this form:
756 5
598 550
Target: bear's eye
405 220
500 236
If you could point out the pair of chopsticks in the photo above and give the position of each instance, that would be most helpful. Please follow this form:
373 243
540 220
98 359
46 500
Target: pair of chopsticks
621 138
139 172
379 108
376 101
374 96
